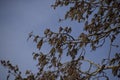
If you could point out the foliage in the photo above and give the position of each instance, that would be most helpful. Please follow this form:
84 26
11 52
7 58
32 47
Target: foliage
101 20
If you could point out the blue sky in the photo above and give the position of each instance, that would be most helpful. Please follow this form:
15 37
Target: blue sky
18 18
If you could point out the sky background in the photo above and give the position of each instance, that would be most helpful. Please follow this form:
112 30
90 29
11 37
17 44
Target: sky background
18 18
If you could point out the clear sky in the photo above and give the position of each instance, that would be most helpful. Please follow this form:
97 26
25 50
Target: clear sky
18 18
